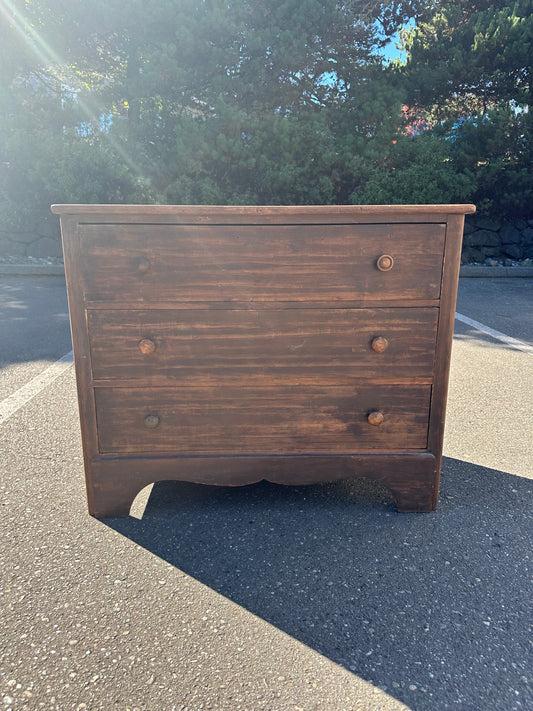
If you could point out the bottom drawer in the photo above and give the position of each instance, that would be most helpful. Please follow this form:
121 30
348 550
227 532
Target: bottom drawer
288 420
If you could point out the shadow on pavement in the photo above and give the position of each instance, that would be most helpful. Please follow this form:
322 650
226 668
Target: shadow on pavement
34 319
433 608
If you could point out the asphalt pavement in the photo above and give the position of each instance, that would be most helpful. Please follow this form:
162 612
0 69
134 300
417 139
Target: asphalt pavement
268 597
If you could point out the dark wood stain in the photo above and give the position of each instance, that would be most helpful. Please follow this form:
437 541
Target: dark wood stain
228 345
238 263
225 420
313 344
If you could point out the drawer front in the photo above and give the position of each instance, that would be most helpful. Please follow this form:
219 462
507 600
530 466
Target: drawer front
143 264
253 420
200 346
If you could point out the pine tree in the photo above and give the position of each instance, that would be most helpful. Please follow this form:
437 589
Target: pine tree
468 57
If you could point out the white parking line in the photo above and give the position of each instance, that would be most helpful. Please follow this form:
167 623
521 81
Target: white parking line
32 388
498 335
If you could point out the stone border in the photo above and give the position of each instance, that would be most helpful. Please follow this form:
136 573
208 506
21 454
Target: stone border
485 239
480 270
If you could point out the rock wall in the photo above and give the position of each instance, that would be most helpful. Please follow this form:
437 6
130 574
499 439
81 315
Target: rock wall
487 240
42 242
484 240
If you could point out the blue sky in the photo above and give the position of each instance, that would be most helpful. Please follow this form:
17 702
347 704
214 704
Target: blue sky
390 51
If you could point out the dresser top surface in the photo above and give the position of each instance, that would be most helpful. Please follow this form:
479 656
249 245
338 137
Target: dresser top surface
267 213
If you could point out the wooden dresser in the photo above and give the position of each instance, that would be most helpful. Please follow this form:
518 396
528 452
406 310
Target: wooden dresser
225 345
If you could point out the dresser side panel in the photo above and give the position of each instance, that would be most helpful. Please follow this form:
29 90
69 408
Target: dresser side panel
80 345
450 281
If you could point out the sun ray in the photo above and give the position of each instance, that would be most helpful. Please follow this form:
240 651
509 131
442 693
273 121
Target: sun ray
59 69
34 41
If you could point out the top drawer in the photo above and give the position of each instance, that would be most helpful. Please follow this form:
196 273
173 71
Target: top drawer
143 264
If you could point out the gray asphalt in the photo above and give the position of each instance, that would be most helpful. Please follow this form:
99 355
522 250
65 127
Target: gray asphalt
267 597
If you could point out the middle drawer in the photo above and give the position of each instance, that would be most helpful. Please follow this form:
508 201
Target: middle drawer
199 346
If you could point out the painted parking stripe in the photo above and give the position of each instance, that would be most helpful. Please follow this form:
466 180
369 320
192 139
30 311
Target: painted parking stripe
498 335
32 388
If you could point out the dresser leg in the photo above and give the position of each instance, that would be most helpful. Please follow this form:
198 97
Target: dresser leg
414 502
111 504
112 496
416 495
412 480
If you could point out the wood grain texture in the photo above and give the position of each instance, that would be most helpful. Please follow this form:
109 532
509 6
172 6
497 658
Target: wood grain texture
282 263
364 301
243 420
80 345
202 347
450 281
410 477
247 213
226 345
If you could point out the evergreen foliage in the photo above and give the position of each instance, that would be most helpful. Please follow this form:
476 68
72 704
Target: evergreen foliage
467 57
469 72
254 102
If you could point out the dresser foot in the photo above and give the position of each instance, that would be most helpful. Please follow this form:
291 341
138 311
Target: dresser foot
413 480
113 496
114 504
407 503
414 496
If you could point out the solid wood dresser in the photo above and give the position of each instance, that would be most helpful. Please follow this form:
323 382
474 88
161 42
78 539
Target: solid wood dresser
226 345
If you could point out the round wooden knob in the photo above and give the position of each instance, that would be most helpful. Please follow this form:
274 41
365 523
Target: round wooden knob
380 344
151 421
146 346
385 263
375 418
142 264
